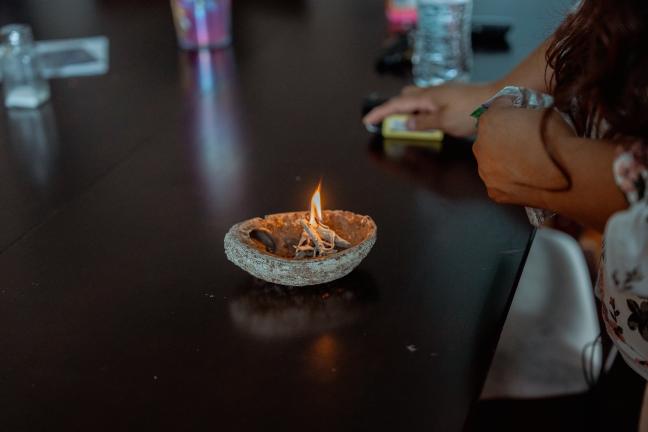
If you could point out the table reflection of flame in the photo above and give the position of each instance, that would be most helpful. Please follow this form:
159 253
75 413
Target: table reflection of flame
276 311
323 355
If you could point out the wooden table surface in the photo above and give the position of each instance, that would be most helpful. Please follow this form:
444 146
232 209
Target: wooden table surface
118 308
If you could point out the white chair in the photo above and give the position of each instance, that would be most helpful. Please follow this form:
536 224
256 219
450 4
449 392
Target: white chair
552 320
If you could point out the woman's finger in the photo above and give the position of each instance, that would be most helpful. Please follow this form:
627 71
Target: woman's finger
400 105
424 121
411 90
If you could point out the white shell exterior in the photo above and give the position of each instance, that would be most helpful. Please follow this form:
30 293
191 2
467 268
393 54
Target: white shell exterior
295 272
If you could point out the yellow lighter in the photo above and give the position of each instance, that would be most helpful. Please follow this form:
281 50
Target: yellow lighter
395 127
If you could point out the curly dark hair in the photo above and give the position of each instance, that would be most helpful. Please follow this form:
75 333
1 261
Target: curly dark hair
599 62
599 57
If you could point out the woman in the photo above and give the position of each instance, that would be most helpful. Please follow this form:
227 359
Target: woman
590 167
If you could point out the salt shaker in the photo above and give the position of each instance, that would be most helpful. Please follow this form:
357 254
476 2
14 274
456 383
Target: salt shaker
23 82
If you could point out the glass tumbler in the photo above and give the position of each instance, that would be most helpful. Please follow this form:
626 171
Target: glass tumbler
23 82
202 23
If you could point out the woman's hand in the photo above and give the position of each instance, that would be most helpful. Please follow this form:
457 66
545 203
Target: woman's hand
446 107
513 161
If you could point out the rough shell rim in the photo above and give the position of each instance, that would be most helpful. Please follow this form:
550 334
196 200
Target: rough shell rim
360 250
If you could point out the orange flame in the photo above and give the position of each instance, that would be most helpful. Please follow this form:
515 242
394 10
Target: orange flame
316 207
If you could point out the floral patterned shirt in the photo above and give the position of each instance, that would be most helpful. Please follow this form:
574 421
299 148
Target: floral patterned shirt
622 284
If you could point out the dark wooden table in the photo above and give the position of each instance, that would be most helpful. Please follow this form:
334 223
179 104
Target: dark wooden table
118 308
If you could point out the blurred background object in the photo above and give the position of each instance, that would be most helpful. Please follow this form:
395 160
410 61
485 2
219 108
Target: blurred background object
24 84
549 345
212 132
33 140
63 58
401 15
202 23
442 47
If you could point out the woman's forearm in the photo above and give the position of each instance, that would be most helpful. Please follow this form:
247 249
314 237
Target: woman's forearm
516 166
530 72
594 195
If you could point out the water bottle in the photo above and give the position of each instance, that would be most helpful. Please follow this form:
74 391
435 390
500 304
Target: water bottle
24 85
442 48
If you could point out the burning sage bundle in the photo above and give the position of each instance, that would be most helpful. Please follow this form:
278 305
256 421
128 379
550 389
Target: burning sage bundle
317 239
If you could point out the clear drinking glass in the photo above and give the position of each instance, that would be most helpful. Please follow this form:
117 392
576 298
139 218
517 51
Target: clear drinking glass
23 82
202 23
442 48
